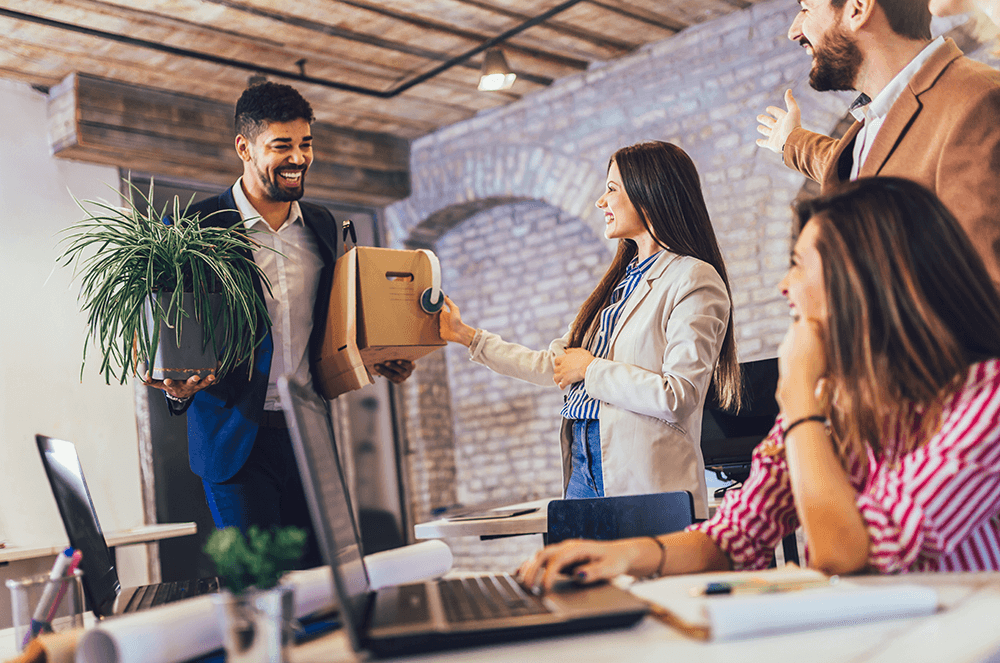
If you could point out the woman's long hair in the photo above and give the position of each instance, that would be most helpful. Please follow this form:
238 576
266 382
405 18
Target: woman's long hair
911 306
662 183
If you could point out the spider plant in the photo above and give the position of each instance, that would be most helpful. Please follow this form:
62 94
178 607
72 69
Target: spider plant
129 259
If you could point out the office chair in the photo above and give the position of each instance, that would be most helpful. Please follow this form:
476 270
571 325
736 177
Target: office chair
608 518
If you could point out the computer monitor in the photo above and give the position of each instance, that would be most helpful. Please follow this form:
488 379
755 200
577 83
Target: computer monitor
727 438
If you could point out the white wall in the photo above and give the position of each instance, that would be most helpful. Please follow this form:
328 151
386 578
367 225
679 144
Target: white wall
41 338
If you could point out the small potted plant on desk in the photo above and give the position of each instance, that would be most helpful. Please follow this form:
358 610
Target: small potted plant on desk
255 612
145 281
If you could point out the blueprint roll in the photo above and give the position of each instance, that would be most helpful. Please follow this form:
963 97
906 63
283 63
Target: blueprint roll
187 629
427 559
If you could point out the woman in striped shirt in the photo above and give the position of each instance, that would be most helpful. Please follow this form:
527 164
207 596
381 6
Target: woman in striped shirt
887 449
639 358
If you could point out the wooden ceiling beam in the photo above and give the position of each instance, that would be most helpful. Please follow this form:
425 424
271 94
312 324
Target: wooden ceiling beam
440 98
640 14
476 37
616 46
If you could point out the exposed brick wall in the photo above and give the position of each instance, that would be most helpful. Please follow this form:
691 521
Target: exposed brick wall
523 268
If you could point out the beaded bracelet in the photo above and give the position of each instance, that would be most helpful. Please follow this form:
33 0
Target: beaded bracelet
663 557
816 417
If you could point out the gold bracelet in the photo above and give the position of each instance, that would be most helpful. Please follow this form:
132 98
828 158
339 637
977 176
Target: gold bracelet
663 558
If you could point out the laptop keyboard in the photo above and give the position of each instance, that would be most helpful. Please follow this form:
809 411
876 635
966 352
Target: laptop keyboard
149 596
487 597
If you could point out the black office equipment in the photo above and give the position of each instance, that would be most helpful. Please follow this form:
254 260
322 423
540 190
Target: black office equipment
728 439
621 517
436 614
101 585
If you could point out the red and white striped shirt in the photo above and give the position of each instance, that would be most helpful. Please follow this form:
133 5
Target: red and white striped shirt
936 508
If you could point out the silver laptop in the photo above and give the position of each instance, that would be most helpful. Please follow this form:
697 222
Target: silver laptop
432 615
101 586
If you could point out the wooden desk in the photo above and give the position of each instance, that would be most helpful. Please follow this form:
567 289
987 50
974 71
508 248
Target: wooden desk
531 523
963 632
140 534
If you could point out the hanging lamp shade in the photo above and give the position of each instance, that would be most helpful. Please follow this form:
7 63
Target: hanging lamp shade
496 73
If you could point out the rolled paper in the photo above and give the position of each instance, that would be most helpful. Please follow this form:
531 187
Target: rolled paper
427 559
189 628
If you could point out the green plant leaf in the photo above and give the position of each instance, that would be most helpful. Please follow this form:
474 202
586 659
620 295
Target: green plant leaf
258 559
124 258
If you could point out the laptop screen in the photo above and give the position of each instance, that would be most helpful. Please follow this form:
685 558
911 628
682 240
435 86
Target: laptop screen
329 503
69 487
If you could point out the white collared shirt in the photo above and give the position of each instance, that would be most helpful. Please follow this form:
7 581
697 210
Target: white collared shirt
873 114
293 269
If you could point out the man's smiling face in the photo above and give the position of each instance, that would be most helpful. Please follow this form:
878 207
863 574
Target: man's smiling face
836 57
275 163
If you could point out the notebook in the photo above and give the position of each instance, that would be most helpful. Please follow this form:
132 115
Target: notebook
782 600
101 585
432 615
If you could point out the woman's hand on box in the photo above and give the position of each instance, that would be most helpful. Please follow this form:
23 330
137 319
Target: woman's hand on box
451 326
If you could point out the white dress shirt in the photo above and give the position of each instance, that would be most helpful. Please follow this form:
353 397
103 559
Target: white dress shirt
873 114
293 270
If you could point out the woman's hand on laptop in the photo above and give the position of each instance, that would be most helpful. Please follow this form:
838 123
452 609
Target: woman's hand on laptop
586 562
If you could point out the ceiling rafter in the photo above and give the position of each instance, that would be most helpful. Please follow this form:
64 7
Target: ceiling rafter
620 46
643 15
428 24
116 9
426 51
252 67
360 37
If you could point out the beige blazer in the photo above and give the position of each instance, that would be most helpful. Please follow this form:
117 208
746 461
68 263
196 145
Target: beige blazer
943 132
653 384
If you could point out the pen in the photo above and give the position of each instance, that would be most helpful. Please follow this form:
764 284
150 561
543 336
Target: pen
760 586
74 562
63 560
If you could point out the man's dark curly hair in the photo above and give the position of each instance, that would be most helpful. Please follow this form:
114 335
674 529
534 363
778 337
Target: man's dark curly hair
267 102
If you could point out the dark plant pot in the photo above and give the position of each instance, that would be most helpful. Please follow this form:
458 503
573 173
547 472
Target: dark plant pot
191 355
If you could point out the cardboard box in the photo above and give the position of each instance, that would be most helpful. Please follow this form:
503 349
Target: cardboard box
375 316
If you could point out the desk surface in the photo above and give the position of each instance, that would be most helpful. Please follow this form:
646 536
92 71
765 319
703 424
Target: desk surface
964 631
531 523
140 534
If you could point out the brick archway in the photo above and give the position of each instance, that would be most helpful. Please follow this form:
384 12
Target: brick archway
464 183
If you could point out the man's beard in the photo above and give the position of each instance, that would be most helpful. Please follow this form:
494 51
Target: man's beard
278 194
835 63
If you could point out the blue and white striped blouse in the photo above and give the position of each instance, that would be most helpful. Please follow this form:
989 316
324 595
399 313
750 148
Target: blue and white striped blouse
579 404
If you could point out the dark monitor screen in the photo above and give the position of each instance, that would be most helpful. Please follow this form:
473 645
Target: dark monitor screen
729 438
69 487
328 500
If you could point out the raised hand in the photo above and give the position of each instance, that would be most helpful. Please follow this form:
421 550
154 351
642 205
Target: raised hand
778 124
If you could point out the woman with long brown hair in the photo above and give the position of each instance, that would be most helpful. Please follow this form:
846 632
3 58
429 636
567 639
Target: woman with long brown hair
887 448
640 356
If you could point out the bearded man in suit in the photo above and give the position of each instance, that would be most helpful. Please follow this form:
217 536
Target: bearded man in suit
926 112
238 440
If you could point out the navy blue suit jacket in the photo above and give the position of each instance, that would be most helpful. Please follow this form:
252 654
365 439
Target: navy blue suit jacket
223 419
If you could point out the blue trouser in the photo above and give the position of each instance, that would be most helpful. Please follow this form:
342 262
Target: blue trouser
267 492
585 478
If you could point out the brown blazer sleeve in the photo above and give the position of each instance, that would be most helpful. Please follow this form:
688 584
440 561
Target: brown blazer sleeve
810 153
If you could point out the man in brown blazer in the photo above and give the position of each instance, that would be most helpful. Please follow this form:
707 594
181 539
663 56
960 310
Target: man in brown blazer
926 111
